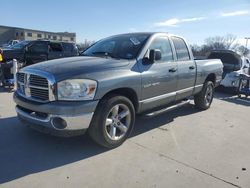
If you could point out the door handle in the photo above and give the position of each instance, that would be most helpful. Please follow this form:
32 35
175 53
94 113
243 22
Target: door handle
172 70
191 67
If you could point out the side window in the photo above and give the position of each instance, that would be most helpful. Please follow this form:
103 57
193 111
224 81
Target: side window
181 49
55 47
39 47
162 44
67 47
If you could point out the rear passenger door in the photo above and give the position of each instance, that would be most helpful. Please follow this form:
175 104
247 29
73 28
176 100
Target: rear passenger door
186 69
55 50
159 80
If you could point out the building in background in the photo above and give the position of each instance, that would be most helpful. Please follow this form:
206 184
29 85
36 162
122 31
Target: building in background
15 33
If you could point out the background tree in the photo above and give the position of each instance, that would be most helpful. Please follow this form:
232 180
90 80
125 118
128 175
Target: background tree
242 50
228 42
82 46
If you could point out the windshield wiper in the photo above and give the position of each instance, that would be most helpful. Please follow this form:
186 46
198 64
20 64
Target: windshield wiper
106 54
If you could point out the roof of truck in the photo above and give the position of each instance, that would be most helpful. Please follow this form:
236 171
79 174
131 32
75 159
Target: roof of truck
143 33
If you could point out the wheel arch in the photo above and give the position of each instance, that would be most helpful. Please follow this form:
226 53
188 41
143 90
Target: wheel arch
126 92
211 77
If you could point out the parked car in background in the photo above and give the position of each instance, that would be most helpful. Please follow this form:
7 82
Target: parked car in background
31 52
10 43
114 79
233 66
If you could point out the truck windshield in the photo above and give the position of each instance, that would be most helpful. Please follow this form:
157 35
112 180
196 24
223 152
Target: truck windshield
125 46
19 45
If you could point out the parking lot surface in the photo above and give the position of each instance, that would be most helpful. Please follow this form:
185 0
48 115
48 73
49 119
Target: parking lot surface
181 148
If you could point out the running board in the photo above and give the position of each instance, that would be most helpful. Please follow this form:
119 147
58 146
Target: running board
182 103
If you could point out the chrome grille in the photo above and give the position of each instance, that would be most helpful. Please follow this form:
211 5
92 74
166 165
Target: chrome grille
39 94
34 87
38 81
20 77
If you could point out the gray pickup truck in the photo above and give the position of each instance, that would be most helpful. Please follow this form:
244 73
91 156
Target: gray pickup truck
113 80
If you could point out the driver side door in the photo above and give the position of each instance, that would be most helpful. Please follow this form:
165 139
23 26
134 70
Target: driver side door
159 79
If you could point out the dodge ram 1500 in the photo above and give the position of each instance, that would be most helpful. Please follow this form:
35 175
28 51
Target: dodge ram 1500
113 80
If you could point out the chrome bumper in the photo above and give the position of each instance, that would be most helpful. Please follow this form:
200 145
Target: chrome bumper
73 122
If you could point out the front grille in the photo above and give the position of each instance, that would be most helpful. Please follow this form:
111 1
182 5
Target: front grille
39 94
33 86
38 81
20 77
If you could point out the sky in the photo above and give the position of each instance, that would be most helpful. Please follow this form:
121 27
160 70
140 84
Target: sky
95 19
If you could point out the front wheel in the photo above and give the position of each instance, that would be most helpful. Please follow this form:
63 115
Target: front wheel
204 99
113 121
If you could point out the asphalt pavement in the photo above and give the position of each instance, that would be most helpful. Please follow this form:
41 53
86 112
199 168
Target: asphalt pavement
181 148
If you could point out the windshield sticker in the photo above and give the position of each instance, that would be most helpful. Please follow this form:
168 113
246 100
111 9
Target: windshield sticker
135 41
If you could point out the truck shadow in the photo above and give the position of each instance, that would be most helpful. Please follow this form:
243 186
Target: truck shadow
24 151
232 98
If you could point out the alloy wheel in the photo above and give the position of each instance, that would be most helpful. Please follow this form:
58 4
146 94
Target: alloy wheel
209 94
118 122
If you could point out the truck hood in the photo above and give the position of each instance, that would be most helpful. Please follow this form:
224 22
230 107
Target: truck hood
69 67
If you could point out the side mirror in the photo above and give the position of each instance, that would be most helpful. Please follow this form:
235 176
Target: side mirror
154 55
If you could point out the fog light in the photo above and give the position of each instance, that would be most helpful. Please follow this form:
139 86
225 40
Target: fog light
59 123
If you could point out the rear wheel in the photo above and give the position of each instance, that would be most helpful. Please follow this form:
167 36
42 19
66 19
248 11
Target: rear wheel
113 121
204 99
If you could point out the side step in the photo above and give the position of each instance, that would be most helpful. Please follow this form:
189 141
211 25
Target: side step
182 103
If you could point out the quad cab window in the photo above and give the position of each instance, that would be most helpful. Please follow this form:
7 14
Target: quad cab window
181 49
162 44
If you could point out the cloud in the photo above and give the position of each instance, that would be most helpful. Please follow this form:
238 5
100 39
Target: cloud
175 21
235 13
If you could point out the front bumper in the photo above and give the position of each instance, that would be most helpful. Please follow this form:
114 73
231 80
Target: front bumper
57 118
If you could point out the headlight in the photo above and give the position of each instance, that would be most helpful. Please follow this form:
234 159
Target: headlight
76 89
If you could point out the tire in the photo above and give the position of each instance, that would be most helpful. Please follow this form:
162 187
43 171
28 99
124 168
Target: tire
237 89
110 125
204 99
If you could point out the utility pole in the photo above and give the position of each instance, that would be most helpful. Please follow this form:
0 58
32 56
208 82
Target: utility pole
247 38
